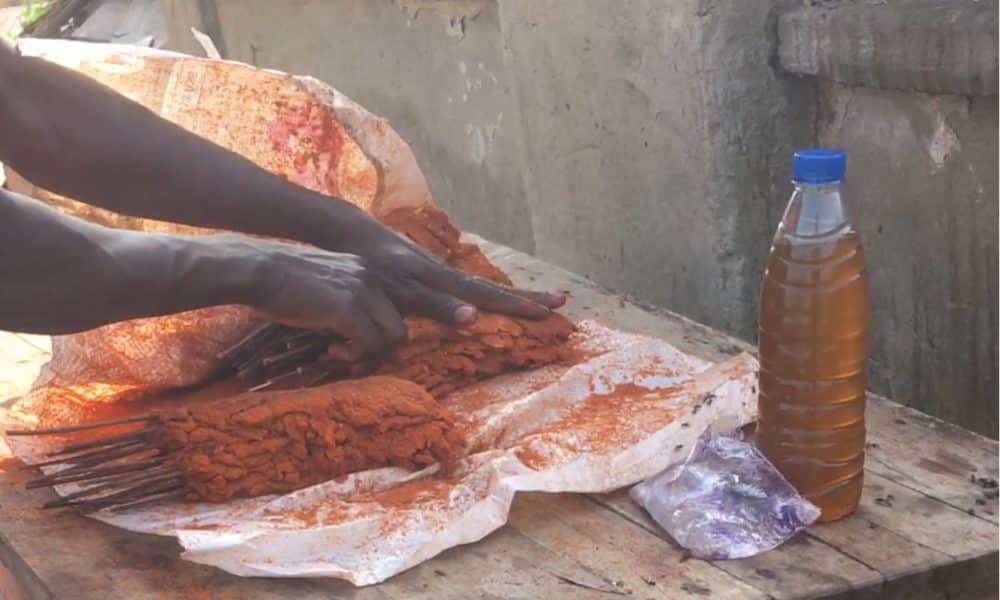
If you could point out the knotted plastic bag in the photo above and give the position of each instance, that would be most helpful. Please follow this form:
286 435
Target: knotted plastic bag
726 501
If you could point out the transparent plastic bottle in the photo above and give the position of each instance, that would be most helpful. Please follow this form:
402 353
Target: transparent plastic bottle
813 341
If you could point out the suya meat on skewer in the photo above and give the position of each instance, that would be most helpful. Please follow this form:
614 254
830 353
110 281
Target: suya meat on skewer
263 441
255 444
438 357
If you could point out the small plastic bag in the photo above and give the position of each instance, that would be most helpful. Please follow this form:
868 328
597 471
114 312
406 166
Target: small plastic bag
725 501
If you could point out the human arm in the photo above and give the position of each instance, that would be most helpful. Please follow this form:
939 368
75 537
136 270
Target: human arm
78 138
60 274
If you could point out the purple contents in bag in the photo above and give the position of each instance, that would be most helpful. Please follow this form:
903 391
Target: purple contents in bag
725 501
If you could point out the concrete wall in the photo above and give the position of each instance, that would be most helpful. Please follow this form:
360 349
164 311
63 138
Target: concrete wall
646 143
923 186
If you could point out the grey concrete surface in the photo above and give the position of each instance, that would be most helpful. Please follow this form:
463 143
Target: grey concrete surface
139 22
922 182
655 133
933 46
646 144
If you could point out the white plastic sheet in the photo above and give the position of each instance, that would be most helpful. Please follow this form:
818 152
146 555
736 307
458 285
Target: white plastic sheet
632 410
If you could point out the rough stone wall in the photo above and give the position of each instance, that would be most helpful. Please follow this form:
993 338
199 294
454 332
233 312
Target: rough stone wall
922 183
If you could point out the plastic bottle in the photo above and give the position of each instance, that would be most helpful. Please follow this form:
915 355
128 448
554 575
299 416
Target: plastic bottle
813 341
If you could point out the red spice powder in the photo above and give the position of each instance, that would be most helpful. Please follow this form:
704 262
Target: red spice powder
276 442
604 422
443 359
309 135
431 228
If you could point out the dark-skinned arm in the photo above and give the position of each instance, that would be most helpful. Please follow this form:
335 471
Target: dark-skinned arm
81 139
61 275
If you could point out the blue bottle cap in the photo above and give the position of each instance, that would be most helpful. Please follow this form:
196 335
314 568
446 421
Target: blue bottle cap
818 165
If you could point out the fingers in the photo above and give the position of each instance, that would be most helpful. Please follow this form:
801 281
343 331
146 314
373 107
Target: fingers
372 330
492 297
369 325
385 316
365 339
545 299
417 298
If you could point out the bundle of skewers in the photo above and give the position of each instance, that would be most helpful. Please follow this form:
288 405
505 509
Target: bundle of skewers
250 444
274 355
130 469
123 470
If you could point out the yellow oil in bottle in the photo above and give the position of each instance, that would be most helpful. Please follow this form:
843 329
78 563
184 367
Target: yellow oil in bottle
813 343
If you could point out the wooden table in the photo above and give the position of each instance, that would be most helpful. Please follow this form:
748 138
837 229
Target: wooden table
924 528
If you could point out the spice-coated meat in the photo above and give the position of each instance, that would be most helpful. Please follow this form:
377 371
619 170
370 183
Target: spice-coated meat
254 444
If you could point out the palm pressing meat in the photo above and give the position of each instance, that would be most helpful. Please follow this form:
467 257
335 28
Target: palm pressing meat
256 444
436 356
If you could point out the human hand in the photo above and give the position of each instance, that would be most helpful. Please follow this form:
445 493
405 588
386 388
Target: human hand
329 292
419 282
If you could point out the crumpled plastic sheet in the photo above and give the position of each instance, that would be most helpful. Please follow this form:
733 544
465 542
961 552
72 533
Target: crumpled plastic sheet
630 408
635 407
725 501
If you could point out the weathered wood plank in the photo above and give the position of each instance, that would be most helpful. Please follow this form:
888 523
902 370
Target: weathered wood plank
807 568
802 567
932 457
111 564
967 580
871 536
504 565
912 539
645 564
924 520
